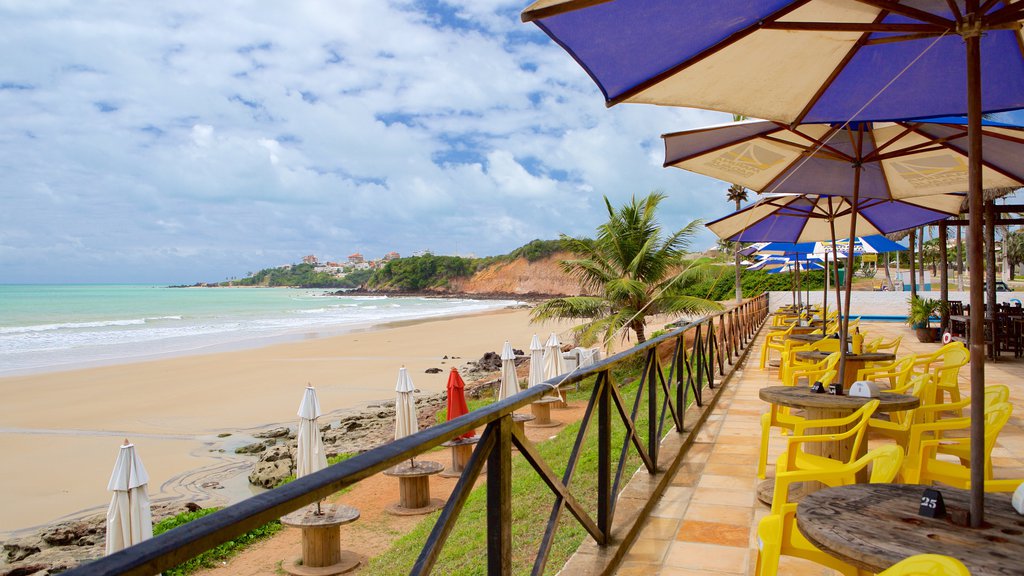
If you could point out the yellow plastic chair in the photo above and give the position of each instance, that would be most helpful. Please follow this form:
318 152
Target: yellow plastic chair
948 372
922 465
790 362
897 373
813 372
924 361
899 424
927 565
795 458
781 417
777 534
774 341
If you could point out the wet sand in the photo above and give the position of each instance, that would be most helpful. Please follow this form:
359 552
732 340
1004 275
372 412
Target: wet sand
60 431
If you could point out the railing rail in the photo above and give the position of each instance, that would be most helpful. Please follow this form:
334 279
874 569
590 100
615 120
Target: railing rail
700 350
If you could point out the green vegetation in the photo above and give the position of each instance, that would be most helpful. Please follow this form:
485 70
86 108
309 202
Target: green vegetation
211 558
634 270
298 276
421 272
330 462
754 282
537 249
464 551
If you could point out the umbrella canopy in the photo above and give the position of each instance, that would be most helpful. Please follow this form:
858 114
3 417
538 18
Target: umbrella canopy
783 264
406 422
792 60
895 160
509 381
536 362
875 244
457 399
129 519
810 218
310 454
553 365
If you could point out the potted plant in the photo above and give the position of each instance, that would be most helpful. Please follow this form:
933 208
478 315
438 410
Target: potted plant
921 310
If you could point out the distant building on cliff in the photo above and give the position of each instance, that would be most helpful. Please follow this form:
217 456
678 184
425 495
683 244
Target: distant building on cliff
311 259
391 256
356 258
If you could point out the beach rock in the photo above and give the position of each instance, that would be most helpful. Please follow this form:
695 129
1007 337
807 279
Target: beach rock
18 550
74 532
279 432
251 448
489 362
325 427
433 370
277 453
270 474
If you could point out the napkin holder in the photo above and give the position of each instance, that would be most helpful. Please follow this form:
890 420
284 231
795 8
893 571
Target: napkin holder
1018 499
864 389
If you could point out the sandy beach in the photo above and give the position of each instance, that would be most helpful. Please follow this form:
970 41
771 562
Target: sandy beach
60 431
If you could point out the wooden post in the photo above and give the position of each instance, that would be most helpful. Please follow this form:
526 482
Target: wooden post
499 501
913 278
972 41
944 276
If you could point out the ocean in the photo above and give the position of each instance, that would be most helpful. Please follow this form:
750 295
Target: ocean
66 326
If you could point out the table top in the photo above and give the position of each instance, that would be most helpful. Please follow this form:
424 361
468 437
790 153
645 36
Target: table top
874 526
415 469
796 329
818 356
802 397
333 515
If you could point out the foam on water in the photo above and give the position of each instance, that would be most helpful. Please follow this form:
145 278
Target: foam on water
58 327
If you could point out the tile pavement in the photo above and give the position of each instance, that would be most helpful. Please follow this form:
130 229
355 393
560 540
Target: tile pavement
707 520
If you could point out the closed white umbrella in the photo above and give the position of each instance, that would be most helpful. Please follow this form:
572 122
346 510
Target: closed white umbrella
311 456
509 380
405 406
129 520
553 361
536 362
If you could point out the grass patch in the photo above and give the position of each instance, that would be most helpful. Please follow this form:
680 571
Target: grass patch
211 558
330 462
465 550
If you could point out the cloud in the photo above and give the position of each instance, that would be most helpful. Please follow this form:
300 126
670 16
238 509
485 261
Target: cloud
197 141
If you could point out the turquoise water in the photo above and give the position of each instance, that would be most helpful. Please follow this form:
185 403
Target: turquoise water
48 327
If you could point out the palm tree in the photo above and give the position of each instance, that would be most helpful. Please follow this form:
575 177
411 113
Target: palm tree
633 271
737 194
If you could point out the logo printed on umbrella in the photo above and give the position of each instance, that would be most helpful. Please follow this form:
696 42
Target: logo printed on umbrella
932 172
746 159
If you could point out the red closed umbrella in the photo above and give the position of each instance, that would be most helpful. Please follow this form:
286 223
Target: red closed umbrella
457 399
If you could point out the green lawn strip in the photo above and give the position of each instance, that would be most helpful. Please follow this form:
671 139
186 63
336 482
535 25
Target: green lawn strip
465 549
224 551
212 557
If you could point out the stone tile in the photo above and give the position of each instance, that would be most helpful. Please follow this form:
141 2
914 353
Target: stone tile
660 529
648 550
738 515
714 533
706 557
728 482
723 497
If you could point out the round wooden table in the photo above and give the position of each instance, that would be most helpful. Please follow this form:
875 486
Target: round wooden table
811 338
873 526
542 412
796 329
321 540
414 488
854 362
817 406
462 450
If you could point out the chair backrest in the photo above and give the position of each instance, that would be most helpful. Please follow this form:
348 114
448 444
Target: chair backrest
892 345
885 463
996 417
864 415
825 345
927 565
996 393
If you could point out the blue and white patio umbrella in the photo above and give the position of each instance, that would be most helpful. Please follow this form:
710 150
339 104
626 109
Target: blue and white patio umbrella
797 61
784 264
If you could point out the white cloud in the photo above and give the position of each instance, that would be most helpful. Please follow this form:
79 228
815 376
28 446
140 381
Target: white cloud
197 140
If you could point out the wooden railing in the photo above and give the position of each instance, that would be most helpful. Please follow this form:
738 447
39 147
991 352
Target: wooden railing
700 351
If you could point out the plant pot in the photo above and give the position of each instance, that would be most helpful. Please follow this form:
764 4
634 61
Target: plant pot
927 335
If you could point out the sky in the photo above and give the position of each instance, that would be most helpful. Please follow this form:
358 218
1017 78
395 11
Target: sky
197 141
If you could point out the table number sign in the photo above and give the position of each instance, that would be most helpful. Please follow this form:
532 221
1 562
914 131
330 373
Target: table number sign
932 505
818 387
835 388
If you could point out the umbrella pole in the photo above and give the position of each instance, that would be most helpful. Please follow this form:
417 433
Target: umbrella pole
844 331
974 262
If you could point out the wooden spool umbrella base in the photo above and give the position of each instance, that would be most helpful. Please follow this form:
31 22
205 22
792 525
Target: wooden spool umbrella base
542 412
462 450
321 541
414 488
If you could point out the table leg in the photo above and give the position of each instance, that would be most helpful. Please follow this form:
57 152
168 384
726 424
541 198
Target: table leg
541 412
414 491
321 546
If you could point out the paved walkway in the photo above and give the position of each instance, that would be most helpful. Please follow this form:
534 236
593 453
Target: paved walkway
706 522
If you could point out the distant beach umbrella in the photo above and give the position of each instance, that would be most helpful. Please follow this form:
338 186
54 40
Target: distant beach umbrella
457 399
509 380
536 362
311 456
129 519
406 422
553 366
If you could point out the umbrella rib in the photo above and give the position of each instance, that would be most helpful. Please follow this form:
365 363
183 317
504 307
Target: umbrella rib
706 151
957 15
946 144
711 51
855 27
1006 14
910 12
822 143
902 38
569 6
